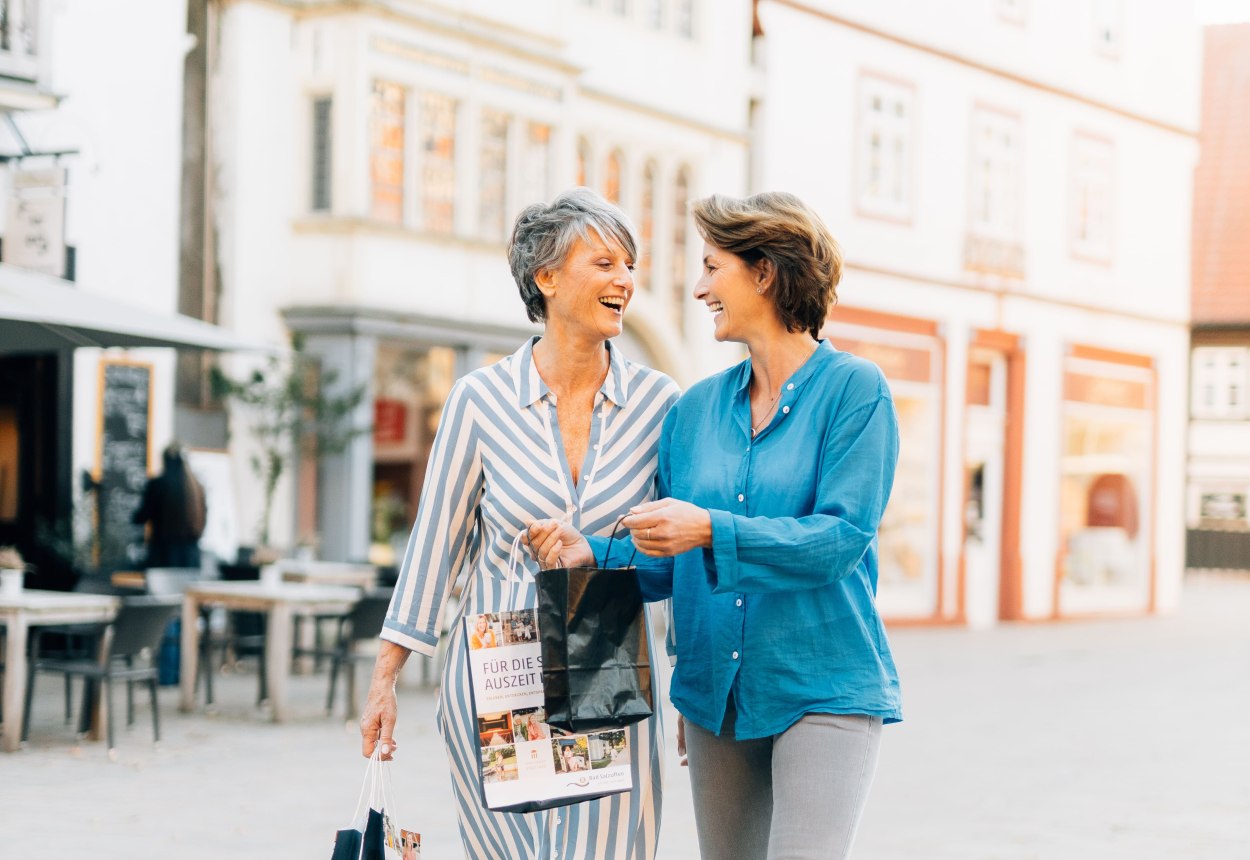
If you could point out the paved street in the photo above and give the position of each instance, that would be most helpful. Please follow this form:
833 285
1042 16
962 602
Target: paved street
1100 739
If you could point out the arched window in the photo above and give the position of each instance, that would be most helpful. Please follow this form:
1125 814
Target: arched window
612 177
583 161
681 200
646 227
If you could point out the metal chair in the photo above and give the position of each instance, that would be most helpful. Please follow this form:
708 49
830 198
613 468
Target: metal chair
362 622
137 629
174 580
73 641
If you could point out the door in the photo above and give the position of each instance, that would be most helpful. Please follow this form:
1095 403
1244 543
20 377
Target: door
984 436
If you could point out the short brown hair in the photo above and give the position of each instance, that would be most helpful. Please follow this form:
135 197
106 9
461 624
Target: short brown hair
780 228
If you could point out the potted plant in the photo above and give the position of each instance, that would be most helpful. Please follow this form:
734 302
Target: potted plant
290 413
12 570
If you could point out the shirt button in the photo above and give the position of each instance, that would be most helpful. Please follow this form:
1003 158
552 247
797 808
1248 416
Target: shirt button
735 655
790 387
785 410
738 602
741 497
596 446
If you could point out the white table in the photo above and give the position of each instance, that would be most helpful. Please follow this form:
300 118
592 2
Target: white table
327 573
279 601
34 608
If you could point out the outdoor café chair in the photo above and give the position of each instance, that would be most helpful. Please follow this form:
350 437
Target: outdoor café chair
174 580
126 653
73 641
362 622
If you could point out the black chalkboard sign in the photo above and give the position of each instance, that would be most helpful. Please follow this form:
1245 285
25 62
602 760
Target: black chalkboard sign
125 397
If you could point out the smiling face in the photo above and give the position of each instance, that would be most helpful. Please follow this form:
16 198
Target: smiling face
730 287
588 294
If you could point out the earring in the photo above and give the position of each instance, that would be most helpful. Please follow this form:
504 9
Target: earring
759 291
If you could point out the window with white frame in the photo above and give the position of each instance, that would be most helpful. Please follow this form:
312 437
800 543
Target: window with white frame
582 169
321 184
996 166
386 152
885 147
436 137
646 226
1092 197
681 202
493 174
612 177
1108 27
19 39
1220 382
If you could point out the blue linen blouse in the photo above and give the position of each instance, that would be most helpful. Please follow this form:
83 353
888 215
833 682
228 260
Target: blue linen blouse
781 610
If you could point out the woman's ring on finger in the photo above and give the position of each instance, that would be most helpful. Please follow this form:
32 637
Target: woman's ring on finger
648 533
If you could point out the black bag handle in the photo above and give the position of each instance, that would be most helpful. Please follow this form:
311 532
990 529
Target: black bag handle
608 551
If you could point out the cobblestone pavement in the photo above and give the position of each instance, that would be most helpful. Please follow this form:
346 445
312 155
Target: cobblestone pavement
1101 739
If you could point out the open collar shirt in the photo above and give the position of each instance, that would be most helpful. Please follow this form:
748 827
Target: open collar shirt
780 612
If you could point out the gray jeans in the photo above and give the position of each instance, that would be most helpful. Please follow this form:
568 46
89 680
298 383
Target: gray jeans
794 796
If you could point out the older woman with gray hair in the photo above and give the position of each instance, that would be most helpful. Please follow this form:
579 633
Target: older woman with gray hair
564 428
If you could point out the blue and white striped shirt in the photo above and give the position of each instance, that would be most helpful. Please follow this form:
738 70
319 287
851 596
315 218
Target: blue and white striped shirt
497 465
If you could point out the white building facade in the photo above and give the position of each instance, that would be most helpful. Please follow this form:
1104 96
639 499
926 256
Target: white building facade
1011 183
369 159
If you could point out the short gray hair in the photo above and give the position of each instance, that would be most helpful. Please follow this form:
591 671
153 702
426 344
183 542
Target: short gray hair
544 233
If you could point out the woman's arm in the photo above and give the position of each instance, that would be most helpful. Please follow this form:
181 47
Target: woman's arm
436 552
377 723
441 536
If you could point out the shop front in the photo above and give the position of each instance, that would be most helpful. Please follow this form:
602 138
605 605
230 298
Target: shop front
45 389
911 354
1107 426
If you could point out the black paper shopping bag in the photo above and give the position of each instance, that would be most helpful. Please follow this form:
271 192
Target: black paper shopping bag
373 835
595 647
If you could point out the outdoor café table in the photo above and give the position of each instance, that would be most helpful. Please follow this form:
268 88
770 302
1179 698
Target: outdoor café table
279 601
35 608
328 573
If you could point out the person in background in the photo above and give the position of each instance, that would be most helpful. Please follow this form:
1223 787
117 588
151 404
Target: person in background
174 510
773 477
564 427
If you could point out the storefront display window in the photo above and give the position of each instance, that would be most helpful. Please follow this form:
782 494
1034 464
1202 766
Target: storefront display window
386 156
1105 486
411 384
907 542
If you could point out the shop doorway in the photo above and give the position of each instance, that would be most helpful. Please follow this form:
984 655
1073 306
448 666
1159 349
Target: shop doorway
34 465
984 443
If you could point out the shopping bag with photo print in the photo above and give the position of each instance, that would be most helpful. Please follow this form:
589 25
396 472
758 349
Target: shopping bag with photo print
373 835
596 651
524 765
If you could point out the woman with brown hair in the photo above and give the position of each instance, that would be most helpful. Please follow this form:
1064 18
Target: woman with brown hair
773 476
